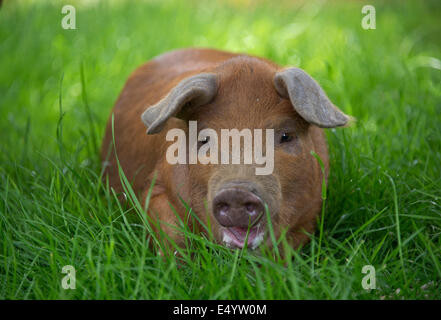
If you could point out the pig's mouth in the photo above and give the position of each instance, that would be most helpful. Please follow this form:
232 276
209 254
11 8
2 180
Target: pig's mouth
235 237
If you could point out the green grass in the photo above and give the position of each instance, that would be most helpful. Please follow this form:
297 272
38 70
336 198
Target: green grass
383 203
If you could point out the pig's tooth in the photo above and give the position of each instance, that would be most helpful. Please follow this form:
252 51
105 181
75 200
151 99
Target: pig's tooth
257 240
226 238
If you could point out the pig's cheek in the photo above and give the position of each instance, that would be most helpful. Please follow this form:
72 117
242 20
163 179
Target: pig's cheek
215 228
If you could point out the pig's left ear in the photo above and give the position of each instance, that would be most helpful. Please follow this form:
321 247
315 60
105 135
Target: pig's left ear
308 98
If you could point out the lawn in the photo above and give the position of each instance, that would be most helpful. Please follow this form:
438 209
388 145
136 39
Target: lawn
383 205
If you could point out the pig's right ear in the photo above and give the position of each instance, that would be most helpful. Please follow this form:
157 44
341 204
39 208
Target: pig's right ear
309 99
197 90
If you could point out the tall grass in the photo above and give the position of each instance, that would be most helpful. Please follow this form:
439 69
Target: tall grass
383 197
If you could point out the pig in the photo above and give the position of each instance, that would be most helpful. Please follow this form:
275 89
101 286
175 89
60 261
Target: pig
223 90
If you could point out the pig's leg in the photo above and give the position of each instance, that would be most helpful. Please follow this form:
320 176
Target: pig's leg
165 218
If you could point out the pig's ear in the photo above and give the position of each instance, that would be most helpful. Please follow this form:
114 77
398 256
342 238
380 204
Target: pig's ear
308 98
197 90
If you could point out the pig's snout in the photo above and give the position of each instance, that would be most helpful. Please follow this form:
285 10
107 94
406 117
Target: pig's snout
237 207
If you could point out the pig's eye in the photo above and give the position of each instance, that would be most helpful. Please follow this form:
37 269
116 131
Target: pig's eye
286 137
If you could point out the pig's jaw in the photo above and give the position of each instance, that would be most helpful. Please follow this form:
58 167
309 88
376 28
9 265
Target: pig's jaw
234 237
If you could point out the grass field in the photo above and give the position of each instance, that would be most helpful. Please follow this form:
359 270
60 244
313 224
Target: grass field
383 205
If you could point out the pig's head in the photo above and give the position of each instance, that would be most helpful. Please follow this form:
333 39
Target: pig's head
248 93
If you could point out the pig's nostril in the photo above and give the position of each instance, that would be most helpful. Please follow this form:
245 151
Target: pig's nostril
222 208
251 208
